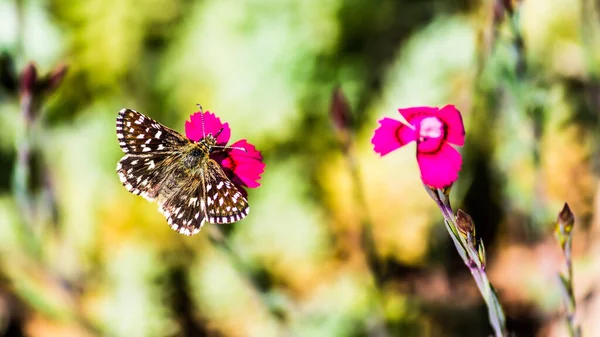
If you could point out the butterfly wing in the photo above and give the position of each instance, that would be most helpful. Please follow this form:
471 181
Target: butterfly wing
140 134
150 148
183 204
224 202
145 175
188 199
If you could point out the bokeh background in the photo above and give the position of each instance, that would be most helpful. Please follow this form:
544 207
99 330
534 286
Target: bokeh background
80 256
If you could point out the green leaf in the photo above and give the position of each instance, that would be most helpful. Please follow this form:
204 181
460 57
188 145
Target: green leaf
481 254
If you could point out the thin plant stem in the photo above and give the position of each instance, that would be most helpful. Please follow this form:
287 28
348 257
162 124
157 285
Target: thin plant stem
219 239
568 294
20 41
564 235
343 123
474 259
367 239
22 178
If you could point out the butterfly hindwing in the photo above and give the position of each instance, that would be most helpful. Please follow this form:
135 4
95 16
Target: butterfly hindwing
185 209
224 202
145 174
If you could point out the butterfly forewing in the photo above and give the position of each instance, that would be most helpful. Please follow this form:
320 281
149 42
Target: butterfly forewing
141 134
224 202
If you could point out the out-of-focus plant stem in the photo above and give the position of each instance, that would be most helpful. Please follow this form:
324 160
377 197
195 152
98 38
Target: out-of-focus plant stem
367 238
590 34
220 241
532 106
22 171
20 6
563 233
343 122
462 231
33 90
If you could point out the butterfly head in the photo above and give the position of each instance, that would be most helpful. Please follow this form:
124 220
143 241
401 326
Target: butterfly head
210 141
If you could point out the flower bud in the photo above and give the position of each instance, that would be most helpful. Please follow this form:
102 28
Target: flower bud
566 219
29 79
465 224
564 225
53 80
508 5
341 115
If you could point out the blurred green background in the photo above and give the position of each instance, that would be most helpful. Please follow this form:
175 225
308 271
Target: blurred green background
80 256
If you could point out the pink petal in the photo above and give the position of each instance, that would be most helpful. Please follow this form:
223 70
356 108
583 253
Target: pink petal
212 125
243 168
454 123
192 132
410 113
391 135
440 169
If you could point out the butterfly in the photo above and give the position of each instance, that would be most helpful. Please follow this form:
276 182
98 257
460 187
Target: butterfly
178 174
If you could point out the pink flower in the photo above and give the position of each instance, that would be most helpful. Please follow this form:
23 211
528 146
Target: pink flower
433 129
242 167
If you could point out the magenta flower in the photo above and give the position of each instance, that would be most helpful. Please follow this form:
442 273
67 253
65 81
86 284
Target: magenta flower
433 129
242 167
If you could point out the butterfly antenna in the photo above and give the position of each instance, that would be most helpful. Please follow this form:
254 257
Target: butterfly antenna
230 147
217 134
201 119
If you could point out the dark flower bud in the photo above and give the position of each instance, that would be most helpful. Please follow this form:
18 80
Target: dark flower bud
499 9
53 80
35 89
508 5
566 219
465 224
341 115
29 79
564 225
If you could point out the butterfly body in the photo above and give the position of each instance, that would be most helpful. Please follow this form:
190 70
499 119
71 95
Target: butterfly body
195 155
178 174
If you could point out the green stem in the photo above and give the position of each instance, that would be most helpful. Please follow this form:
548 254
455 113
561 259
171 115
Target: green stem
469 254
568 294
22 180
219 239
368 241
379 327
